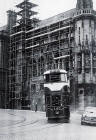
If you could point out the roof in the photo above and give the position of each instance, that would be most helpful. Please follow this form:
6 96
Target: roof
55 70
57 18
3 28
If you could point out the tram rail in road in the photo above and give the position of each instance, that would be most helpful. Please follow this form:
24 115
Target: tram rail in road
28 125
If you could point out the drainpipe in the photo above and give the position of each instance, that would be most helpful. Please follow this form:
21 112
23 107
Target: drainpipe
91 61
83 71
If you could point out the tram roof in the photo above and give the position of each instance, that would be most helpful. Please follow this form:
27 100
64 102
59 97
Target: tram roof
55 70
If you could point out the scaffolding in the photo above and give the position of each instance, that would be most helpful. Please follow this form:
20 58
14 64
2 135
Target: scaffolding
18 85
33 50
51 39
44 49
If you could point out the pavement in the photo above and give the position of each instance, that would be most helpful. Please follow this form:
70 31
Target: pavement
29 125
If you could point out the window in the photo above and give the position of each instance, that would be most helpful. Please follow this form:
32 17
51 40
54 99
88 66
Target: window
41 86
79 30
55 77
34 67
46 78
33 88
64 77
86 37
82 24
79 34
87 70
89 23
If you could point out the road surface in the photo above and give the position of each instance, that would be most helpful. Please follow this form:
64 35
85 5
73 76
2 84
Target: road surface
28 125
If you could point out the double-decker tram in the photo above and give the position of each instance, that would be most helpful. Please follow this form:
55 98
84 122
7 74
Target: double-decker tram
57 95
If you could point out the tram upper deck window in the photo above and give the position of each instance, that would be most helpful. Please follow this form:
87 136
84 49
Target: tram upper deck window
64 77
56 77
47 78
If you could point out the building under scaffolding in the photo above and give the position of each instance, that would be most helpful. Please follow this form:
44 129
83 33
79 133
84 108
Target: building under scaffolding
66 41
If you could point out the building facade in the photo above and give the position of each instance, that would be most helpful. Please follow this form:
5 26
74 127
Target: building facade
4 45
66 41
4 57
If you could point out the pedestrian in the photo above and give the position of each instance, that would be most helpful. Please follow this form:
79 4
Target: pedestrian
36 107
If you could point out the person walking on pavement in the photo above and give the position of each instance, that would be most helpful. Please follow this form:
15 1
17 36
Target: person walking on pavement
36 107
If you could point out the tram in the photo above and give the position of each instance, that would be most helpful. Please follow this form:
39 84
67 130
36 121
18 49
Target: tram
57 95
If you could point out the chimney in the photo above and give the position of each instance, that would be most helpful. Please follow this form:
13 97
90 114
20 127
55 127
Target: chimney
12 17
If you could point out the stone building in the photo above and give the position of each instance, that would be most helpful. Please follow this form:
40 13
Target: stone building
4 44
67 41
4 57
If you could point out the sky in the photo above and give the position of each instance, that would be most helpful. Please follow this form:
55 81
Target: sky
46 8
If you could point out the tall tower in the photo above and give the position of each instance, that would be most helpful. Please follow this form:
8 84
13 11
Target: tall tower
82 4
85 50
27 14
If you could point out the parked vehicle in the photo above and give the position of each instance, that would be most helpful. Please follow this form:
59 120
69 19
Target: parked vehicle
89 116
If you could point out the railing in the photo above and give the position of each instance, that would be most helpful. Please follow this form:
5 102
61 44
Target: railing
84 11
